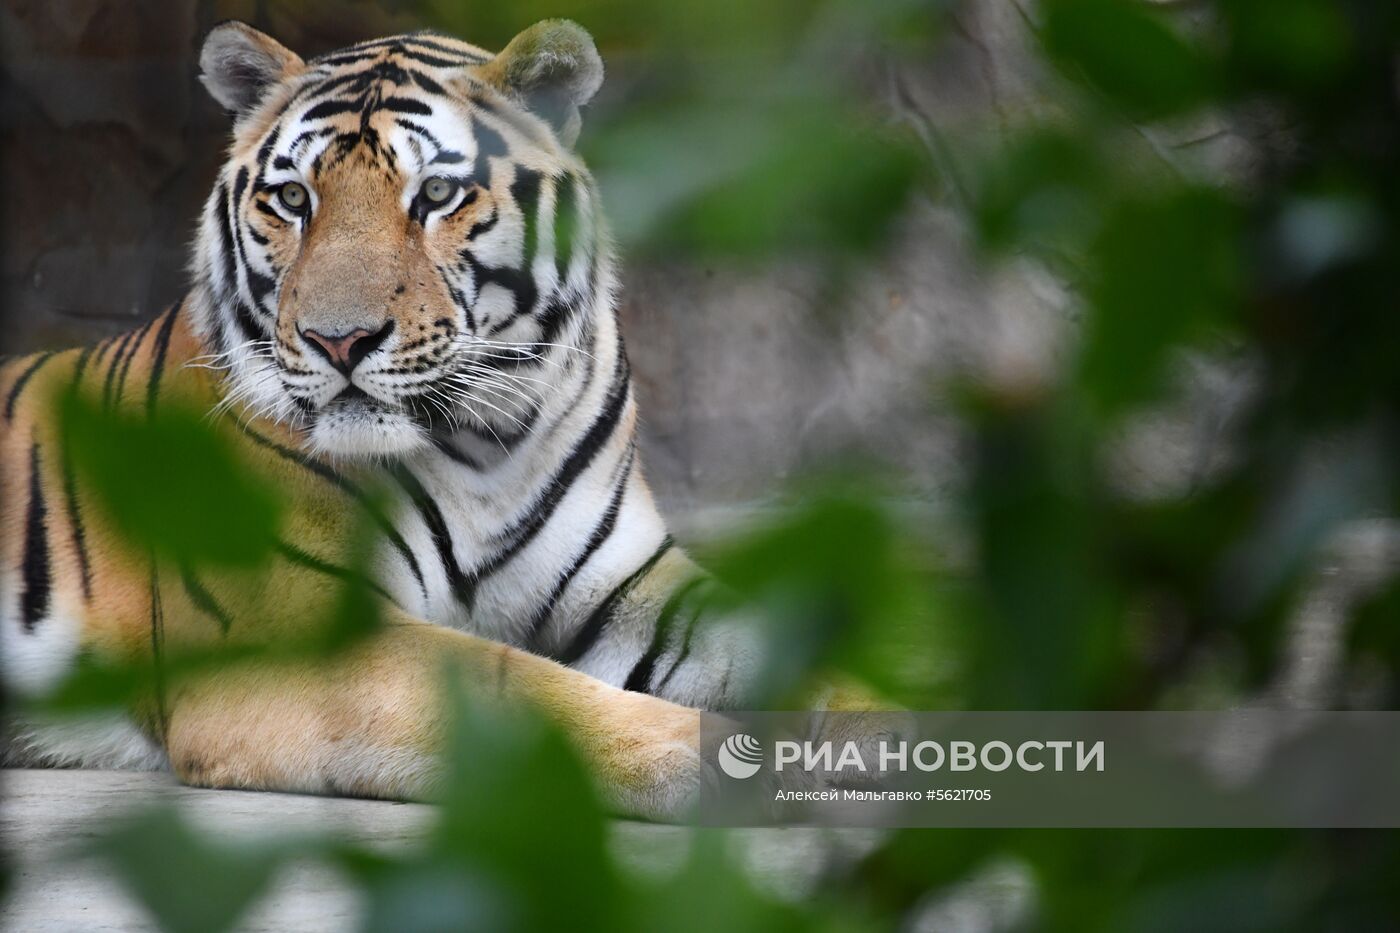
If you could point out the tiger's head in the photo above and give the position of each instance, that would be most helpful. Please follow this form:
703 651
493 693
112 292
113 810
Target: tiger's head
400 232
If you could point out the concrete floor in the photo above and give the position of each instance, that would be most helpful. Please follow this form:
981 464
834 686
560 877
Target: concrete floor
46 814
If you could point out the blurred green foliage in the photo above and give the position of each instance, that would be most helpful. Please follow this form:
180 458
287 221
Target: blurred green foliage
189 462
216 882
1136 59
751 132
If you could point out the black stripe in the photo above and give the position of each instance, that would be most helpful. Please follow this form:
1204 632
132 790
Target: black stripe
459 300
80 367
579 459
416 147
301 558
102 347
259 285
406 46
449 450
447 157
126 363
247 324
515 119
723 692
405 105
555 316
336 149
70 493
331 476
504 438
265 150
337 61
420 130
113 365
434 61
18 387
462 587
426 83
34 605
158 362
204 601
467 199
367 55
601 532
307 136
398 45
315 466
685 642
235 197
525 190
593 628
157 652
489 144
565 225
331 108
518 281
331 85
639 680
227 264
482 226
416 39
222 341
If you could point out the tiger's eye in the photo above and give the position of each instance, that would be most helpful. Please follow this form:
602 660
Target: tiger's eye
438 189
293 196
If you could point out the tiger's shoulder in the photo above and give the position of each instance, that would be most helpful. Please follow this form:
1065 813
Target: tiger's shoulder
123 369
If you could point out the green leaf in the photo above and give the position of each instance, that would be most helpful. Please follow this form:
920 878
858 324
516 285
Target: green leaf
1298 45
1128 53
835 582
1046 188
427 894
171 484
520 816
1165 270
712 893
188 883
1050 633
754 180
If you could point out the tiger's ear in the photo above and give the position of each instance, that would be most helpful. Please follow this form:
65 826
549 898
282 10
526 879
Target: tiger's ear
238 64
553 68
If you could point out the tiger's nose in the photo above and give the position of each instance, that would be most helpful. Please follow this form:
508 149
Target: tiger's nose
346 351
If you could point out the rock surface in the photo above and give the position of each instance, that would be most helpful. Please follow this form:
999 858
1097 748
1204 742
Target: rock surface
46 816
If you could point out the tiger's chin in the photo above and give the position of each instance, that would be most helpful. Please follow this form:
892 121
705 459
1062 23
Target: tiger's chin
366 432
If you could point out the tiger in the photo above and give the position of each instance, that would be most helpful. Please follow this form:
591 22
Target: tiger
402 279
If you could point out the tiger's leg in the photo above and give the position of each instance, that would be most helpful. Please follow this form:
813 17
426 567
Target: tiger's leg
371 722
